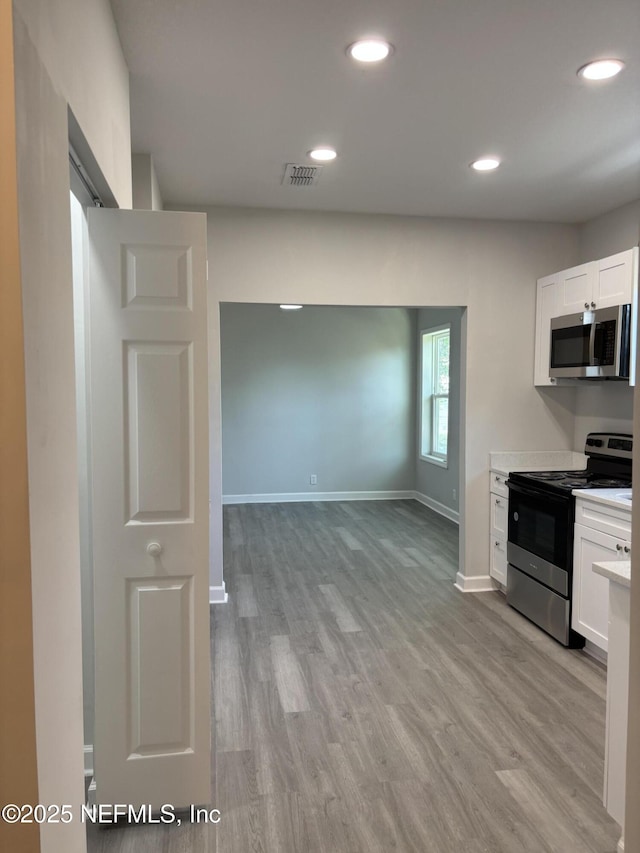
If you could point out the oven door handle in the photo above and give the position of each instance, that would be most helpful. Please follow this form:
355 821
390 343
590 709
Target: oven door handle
527 491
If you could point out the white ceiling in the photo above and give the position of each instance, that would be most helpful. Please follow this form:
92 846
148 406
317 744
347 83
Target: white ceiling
225 92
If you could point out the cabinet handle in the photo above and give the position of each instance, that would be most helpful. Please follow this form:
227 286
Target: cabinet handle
498 480
627 550
593 304
497 543
586 304
498 502
618 547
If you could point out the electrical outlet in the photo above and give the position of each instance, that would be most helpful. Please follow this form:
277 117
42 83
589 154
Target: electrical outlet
313 479
455 494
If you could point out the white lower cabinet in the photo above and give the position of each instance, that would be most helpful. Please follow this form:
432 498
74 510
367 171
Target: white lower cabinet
499 497
606 539
498 561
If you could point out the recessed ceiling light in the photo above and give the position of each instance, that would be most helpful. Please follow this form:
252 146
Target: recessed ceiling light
485 164
369 50
291 307
601 69
323 153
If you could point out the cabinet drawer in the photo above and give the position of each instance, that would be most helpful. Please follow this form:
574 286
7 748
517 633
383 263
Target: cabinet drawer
499 484
498 560
607 519
499 520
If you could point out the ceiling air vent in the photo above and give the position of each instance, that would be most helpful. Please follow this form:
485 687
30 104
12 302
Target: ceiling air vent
301 176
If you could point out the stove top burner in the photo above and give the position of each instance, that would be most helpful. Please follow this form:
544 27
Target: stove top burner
605 482
547 475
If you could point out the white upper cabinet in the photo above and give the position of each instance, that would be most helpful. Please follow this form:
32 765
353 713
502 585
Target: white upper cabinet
614 282
547 307
598 284
576 289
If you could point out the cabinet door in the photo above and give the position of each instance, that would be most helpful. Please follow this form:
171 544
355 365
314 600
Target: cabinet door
499 515
576 289
547 307
590 614
614 280
498 560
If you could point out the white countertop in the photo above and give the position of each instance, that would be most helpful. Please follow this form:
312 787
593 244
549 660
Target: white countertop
618 571
618 498
536 460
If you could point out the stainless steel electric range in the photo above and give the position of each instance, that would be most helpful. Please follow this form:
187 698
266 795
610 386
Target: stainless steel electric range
540 534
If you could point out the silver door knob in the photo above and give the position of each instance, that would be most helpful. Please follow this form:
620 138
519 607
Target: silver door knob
593 304
154 549
618 547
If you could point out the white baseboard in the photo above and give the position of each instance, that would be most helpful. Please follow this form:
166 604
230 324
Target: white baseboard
218 594
476 583
88 759
436 506
595 652
298 497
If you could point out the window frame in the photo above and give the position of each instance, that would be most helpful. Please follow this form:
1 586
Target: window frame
426 435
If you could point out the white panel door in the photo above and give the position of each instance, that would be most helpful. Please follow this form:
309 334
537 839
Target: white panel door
149 422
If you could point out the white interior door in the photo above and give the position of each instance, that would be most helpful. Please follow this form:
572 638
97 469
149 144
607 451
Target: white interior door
149 423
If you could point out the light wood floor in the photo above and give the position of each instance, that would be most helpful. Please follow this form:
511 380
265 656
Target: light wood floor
363 704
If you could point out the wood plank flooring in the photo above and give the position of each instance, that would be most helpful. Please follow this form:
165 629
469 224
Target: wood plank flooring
362 703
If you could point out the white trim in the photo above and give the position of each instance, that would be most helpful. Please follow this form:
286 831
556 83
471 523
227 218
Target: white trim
435 460
291 497
88 760
92 795
620 848
441 462
476 583
218 594
436 506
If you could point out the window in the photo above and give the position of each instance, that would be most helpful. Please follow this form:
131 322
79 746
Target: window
434 403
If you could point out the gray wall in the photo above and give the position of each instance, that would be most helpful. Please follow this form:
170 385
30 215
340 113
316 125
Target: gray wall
606 405
268 256
326 390
431 480
610 233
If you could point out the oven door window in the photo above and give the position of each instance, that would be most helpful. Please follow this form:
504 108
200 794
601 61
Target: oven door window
570 346
540 524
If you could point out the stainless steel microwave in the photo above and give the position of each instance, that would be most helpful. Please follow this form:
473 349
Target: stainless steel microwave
592 345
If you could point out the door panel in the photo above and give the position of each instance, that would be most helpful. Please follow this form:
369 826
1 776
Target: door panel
159 424
576 289
149 423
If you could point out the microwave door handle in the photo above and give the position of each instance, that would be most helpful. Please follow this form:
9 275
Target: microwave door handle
592 343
